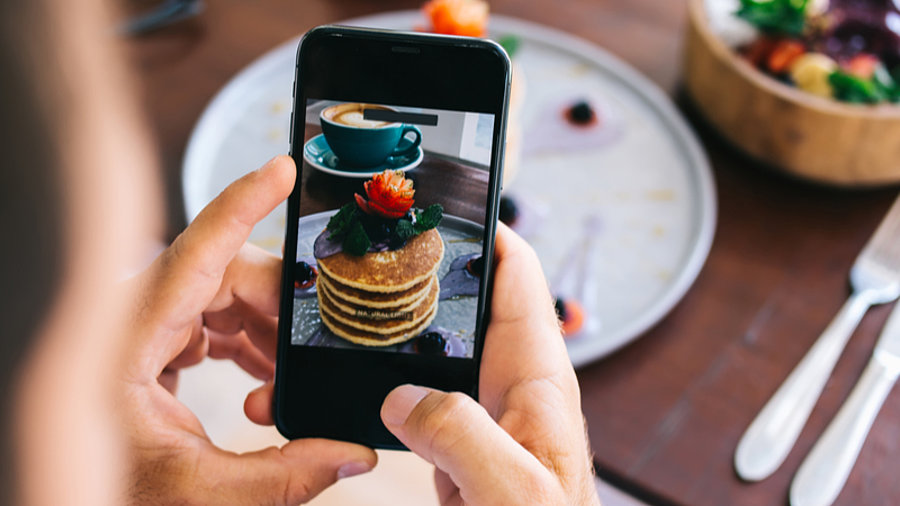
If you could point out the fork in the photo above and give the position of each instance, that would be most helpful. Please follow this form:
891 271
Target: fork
875 278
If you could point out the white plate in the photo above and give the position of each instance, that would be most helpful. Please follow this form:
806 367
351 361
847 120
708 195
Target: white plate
650 188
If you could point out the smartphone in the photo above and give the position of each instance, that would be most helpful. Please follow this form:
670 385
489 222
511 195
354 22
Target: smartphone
398 140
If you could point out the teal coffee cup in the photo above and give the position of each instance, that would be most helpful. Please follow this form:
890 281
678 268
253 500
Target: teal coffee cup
359 143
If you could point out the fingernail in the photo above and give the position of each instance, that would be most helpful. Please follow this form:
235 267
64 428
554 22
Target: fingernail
352 469
400 403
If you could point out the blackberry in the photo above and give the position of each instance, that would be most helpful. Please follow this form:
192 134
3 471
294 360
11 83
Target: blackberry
581 113
475 266
304 275
378 229
560 306
431 343
509 210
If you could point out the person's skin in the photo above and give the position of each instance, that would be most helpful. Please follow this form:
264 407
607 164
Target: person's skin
525 443
211 294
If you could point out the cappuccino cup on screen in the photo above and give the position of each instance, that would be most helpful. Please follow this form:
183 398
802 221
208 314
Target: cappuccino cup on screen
361 143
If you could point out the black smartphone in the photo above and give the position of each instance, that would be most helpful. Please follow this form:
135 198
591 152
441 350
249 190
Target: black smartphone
398 140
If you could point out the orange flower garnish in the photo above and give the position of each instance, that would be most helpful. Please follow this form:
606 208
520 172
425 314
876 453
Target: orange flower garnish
390 195
458 17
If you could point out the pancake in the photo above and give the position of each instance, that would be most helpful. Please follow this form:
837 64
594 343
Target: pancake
379 321
364 308
372 339
388 271
373 300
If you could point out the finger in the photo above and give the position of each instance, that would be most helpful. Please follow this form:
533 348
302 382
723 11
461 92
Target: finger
169 380
260 328
520 288
527 381
457 435
292 474
258 404
523 341
188 275
196 349
254 276
241 351
447 491
263 333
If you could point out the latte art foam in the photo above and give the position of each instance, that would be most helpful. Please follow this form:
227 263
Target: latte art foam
355 118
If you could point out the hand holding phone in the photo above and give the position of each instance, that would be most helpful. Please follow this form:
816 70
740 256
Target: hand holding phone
536 452
210 294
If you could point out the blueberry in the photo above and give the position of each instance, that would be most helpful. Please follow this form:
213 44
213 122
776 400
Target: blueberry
475 266
509 210
431 343
581 113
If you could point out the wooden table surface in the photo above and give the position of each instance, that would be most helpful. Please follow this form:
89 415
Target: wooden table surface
665 413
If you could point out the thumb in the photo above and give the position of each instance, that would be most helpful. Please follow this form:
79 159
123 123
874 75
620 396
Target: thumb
292 474
457 435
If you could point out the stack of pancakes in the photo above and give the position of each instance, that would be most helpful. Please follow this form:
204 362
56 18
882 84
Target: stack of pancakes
381 298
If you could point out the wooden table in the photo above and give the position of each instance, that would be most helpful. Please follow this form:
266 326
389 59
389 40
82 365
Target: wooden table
666 412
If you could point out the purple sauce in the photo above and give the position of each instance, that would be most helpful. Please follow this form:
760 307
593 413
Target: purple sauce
325 247
459 282
558 133
322 338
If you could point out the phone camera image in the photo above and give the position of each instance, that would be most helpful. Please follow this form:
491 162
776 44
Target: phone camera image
390 235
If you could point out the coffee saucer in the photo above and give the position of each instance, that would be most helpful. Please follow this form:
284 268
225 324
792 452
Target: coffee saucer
317 153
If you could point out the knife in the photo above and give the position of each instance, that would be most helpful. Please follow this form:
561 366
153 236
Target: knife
825 470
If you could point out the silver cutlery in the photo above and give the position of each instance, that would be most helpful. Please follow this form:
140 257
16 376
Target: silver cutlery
875 278
825 470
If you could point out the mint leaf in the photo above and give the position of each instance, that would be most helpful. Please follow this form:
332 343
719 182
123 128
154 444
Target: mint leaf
404 230
510 43
341 221
429 218
356 242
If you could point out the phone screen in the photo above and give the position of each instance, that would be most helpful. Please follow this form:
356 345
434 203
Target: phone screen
390 235
398 142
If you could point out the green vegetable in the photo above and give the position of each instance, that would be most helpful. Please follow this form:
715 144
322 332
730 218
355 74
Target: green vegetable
776 17
888 83
510 43
347 226
341 221
856 90
429 218
356 242
404 230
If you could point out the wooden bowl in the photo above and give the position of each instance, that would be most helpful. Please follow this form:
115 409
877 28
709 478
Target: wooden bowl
806 135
